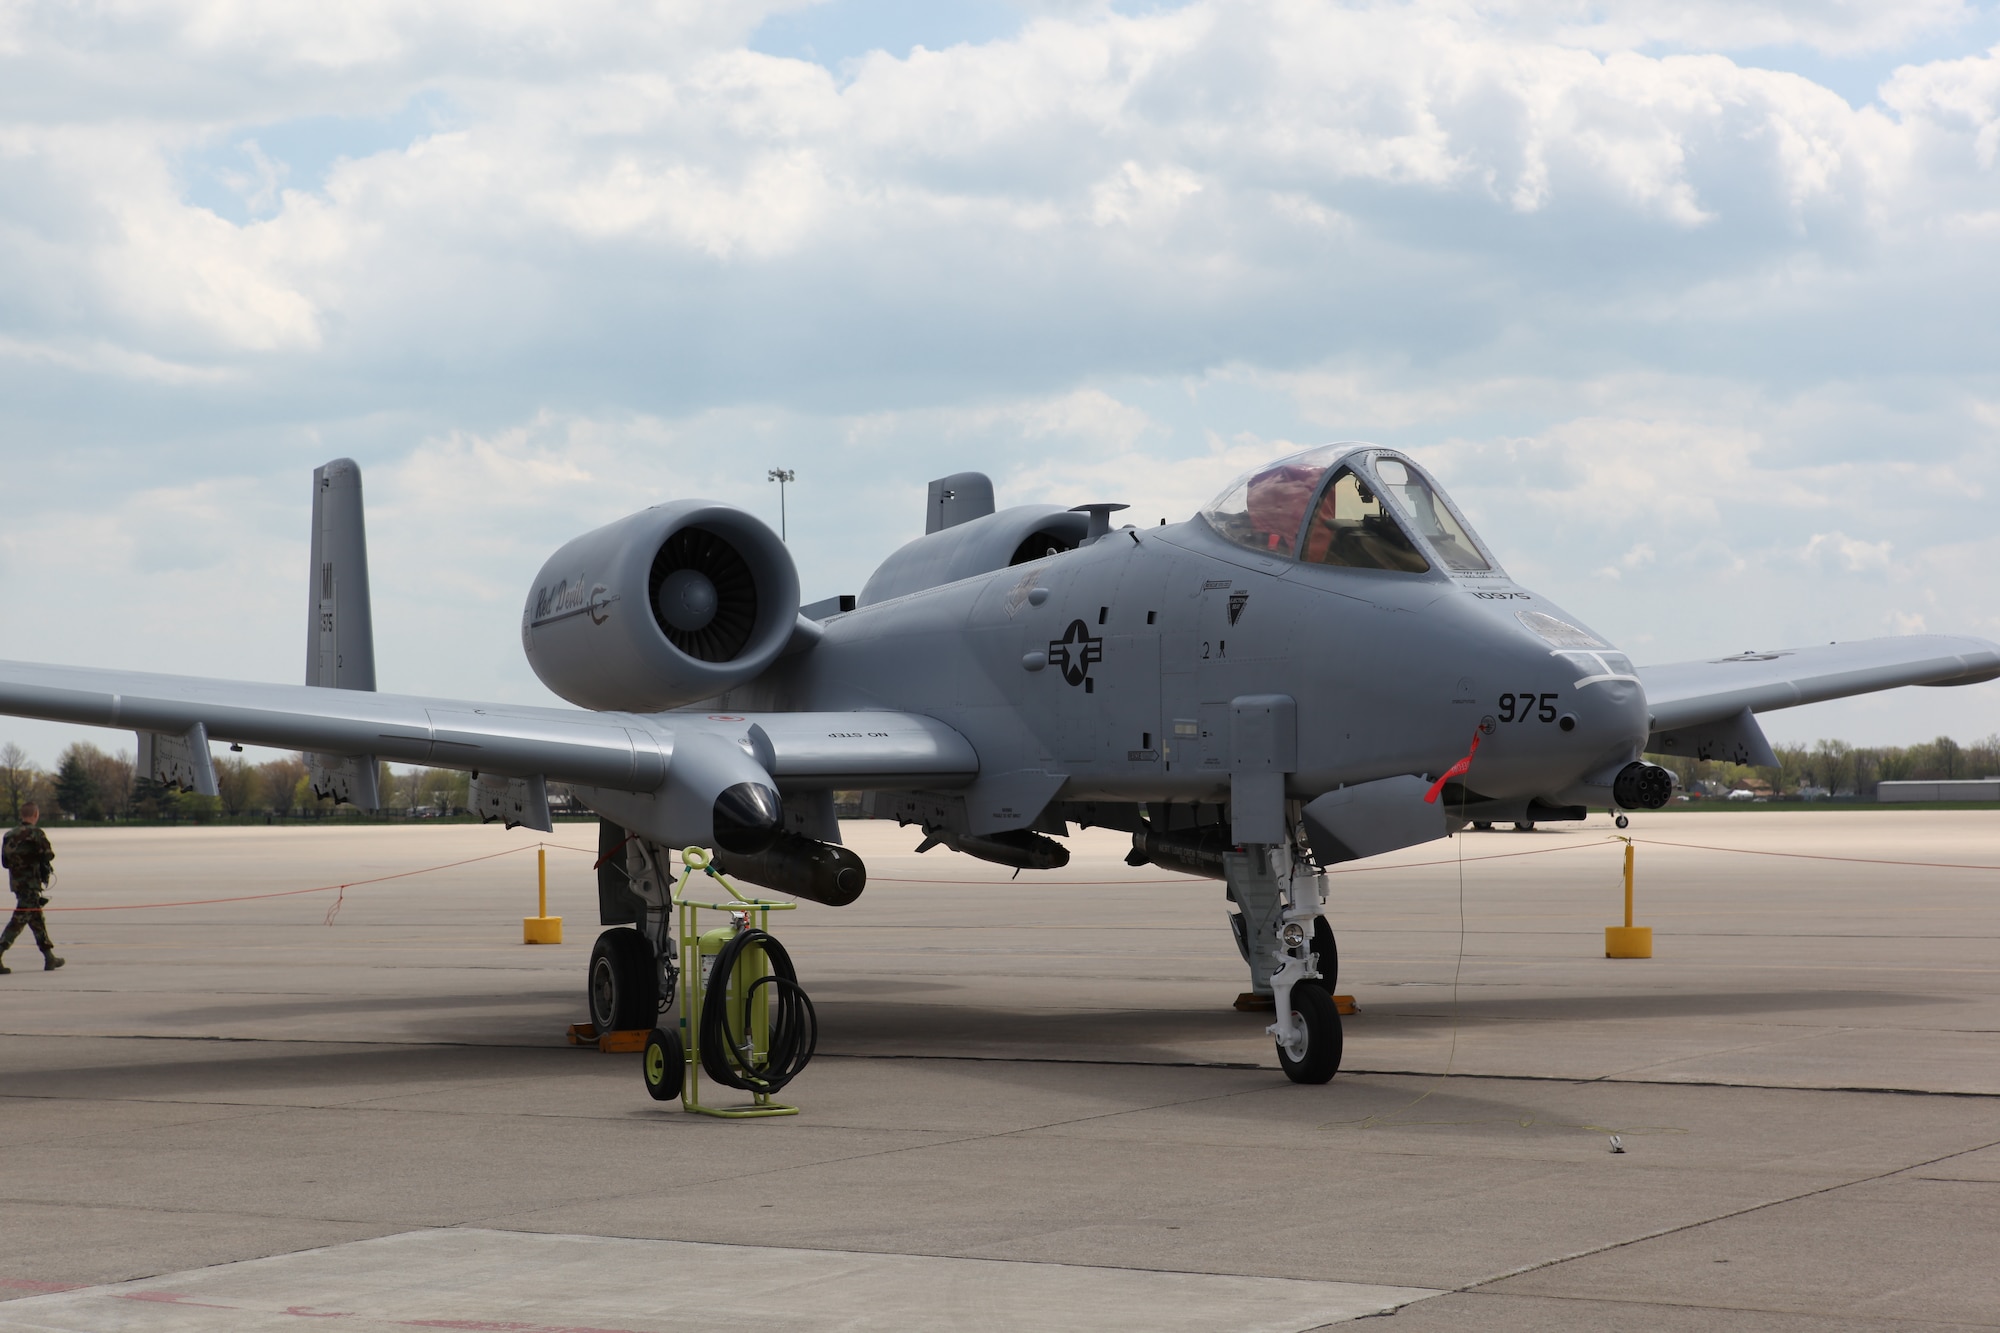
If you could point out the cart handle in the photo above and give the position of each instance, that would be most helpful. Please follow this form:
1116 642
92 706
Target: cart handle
696 858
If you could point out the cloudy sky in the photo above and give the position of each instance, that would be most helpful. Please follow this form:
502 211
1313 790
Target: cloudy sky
1691 306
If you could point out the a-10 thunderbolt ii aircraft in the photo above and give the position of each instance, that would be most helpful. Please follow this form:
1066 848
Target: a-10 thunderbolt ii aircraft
1292 678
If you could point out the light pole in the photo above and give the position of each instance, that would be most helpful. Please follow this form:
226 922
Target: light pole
781 475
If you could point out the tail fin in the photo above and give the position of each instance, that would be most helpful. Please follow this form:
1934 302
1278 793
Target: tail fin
340 639
340 631
959 498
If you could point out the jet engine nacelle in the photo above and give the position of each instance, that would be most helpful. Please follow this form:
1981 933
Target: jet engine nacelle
677 603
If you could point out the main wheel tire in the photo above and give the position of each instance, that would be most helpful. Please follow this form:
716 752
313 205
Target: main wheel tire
1329 956
663 1065
1483 825
1319 1060
1524 826
624 989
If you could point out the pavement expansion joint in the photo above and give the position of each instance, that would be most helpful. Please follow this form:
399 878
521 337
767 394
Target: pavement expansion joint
1682 1227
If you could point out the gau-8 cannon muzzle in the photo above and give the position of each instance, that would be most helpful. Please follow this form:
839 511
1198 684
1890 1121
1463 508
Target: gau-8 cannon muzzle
1642 786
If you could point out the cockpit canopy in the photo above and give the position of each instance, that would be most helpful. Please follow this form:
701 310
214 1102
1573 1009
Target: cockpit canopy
1347 505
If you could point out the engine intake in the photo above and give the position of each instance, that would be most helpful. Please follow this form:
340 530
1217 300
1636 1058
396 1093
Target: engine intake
662 608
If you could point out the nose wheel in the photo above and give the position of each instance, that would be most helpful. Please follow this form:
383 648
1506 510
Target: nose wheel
1622 822
1311 1053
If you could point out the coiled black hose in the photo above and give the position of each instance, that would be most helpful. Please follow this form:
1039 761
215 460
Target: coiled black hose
793 1034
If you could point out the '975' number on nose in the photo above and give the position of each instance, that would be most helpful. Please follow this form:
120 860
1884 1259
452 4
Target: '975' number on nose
1521 707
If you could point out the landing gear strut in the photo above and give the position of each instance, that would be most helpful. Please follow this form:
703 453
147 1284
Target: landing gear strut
634 969
1291 953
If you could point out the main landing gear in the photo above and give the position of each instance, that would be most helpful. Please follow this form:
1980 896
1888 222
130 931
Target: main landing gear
624 985
1292 956
634 970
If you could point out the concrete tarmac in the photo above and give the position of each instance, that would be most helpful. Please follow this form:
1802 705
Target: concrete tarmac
1034 1106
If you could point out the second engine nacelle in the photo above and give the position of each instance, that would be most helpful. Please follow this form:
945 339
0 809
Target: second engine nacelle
676 603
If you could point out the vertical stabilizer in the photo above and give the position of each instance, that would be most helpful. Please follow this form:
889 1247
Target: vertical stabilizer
340 631
959 498
340 638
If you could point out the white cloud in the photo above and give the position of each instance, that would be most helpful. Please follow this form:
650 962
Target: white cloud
1852 554
988 160
1647 309
1835 27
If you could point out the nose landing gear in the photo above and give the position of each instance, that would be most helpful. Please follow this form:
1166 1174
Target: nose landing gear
1290 949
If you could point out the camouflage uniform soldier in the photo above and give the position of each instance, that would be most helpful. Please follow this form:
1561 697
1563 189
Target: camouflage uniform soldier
29 860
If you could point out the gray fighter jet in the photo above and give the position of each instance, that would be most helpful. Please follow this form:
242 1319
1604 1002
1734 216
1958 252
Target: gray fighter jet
1326 663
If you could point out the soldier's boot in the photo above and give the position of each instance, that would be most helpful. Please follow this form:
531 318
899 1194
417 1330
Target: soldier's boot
4 969
50 962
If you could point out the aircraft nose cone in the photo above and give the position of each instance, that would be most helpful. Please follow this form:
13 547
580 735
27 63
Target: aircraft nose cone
1551 732
687 600
747 818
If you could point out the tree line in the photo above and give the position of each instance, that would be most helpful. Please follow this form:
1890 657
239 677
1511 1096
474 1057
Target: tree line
89 784
1843 771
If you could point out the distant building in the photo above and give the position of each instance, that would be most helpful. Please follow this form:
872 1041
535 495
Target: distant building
1960 789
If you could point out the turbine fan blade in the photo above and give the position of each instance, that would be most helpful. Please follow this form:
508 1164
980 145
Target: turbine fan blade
727 633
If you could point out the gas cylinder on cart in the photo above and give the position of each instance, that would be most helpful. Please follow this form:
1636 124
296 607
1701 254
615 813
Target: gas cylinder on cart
750 965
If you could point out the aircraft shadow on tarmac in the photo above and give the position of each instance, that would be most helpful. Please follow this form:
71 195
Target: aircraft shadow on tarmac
1112 1035
1436 1005
1146 1035
361 1074
333 1077
312 1006
871 986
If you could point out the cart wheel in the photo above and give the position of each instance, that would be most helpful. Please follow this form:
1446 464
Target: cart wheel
1317 1058
664 1064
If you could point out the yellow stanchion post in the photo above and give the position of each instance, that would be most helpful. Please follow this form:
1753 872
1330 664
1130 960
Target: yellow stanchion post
1628 940
541 928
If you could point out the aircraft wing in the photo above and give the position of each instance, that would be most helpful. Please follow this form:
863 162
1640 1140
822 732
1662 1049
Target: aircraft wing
1689 694
624 751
